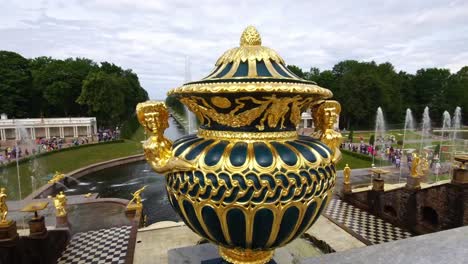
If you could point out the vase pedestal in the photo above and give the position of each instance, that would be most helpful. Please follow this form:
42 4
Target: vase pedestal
37 228
347 188
378 184
210 254
62 221
413 183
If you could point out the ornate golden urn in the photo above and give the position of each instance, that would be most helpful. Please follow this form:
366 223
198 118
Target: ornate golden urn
247 181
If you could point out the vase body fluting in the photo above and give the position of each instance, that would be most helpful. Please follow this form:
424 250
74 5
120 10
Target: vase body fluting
255 194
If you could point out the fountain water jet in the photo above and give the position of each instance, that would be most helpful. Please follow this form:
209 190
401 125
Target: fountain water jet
191 119
409 125
446 124
426 127
379 134
456 126
456 121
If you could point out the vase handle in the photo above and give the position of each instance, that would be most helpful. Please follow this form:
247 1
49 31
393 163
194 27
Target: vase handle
325 117
154 117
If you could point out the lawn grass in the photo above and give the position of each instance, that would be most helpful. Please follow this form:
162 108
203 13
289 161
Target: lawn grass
353 162
36 172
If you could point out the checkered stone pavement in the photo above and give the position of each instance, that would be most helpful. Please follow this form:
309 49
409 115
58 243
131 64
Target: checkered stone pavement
105 246
368 226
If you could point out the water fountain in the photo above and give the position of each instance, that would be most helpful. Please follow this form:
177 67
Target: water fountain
379 135
456 127
409 125
26 143
426 127
191 119
446 124
456 122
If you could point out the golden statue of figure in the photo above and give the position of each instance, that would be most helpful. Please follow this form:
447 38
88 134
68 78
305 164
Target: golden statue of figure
60 203
347 174
136 200
415 165
153 116
424 165
58 176
325 117
3 206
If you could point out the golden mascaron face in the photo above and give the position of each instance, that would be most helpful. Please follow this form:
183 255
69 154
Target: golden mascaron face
330 115
153 122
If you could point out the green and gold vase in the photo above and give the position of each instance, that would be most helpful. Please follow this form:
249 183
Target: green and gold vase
247 181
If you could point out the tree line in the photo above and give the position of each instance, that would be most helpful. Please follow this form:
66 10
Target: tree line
361 87
47 87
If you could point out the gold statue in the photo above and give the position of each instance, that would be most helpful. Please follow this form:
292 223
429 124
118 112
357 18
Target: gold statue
415 165
60 202
57 177
3 206
424 165
153 116
347 174
136 200
325 117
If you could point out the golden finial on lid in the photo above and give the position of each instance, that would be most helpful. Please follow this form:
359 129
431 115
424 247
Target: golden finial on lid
250 37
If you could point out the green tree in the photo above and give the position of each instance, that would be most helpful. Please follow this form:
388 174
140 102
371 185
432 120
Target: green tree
457 91
15 85
350 136
430 87
60 83
175 105
104 95
296 70
133 92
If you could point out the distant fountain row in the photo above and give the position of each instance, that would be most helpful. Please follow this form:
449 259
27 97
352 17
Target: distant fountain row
447 138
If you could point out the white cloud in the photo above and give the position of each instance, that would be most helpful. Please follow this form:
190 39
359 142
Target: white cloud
153 37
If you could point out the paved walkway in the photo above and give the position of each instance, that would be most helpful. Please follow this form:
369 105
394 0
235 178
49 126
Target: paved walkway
105 246
367 227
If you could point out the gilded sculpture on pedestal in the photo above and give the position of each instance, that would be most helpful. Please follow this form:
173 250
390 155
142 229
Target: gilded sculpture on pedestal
60 203
419 166
57 177
136 200
347 174
3 206
424 165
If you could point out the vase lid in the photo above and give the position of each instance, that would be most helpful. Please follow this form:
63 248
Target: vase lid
251 67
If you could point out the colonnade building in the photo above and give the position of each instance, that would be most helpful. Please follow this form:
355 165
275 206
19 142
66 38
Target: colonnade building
33 128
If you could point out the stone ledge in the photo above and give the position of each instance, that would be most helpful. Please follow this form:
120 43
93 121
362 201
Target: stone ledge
441 247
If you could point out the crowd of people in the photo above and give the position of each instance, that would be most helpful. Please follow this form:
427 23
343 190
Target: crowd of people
384 149
21 150
107 134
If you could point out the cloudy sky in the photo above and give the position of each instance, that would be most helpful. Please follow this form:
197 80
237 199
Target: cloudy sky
154 38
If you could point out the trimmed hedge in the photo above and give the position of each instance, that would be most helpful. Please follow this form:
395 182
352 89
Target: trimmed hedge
42 154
